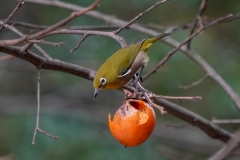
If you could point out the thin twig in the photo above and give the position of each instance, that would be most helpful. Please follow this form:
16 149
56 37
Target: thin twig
49 135
225 121
119 39
25 47
11 15
22 35
194 119
27 25
38 112
228 148
40 27
170 29
192 98
178 127
79 43
202 8
193 84
200 23
38 107
139 16
235 17
40 34
57 44
164 60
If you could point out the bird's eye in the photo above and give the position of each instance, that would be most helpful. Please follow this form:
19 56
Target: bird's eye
103 81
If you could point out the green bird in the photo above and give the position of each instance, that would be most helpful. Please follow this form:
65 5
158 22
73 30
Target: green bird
121 67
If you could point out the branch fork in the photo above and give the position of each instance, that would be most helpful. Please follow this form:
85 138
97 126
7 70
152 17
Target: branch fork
137 91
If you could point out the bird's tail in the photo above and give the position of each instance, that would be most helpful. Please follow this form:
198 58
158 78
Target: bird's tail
148 43
154 39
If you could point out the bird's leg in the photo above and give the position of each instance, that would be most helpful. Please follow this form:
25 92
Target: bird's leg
139 89
137 79
137 75
145 95
132 90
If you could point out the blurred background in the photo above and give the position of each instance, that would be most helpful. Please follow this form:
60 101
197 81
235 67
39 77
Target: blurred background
68 109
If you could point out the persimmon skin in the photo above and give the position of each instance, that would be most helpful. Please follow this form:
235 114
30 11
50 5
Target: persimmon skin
133 122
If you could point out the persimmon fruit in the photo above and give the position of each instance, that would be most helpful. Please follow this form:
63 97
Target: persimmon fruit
133 122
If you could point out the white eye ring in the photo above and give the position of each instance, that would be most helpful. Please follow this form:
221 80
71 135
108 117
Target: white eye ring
103 81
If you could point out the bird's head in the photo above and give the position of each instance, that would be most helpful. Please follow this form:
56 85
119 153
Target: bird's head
98 84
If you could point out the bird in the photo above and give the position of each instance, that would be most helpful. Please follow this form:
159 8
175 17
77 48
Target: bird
124 65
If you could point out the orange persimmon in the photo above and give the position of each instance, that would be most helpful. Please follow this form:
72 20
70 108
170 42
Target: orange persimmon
133 122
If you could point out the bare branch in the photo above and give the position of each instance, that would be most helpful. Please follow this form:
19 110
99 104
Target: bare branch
79 43
228 148
164 60
11 15
38 107
195 83
38 112
35 45
192 98
51 64
121 40
173 109
40 34
27 25
139 16
188 52
235 17
212 130
40 27
170 29
49 135
178 127
57 44
202 8
146 97
225 121
177 111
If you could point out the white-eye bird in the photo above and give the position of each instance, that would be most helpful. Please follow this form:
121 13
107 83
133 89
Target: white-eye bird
120 68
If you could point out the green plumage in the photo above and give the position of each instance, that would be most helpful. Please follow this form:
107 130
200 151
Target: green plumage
126 60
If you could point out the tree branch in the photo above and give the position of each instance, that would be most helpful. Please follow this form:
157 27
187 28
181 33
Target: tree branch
194 83
168 40
176 110
164 60
39 49
79 43
139 16
40 34
173 109
51 64
85 27
11 15
228 148
37 128
180 112
202 8
225 121
119 39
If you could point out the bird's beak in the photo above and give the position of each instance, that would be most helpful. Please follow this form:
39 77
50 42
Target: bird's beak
96 92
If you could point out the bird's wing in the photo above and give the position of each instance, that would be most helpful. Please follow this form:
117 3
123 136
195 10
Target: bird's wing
129 54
